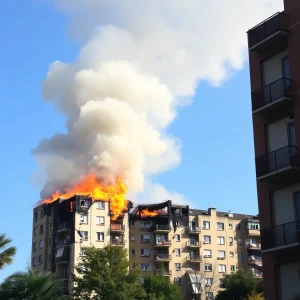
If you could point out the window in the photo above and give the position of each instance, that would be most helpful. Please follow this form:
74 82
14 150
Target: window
241 255
33 261
132 223
100 236
41 228
145 224
221 254
207 239
222 268
208 281
40 259
145 267
50 242
84 235
133 266
230 226
240 241
42 213
220 240
83 219
286 71
34 246
51 226
177 252
132 238
208 267
232 268
145 252
84 203
178 267
220 226
238 227
35 230
35 215
231 254
253 226
230 241
132 251
145 238
206 225
177 237
100 220
207 253
81 252
177 280
209 295
100 205
52 211
41 244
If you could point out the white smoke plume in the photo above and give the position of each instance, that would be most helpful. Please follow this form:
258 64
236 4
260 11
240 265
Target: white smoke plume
139 62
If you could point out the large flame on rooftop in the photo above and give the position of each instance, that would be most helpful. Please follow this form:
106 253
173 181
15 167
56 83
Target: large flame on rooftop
147 213
90 186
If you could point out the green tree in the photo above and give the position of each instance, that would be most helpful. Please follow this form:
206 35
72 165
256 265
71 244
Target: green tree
6 255
104 274
31 285
255 296
239 285
160 288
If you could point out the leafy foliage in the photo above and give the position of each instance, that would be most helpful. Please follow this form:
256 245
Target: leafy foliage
255 296
160 288
6 256
31 285
239 285
105 275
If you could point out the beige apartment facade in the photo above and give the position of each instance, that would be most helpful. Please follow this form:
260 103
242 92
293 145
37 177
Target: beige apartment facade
194 248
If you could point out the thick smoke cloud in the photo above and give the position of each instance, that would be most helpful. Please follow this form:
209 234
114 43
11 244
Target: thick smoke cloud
139 62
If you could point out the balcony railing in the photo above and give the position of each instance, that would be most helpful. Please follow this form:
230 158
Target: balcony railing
194 258
116 242
162 243
162 228
270 93
280 235
267 28
193 243
64 226
276 160
60 243
62 259
117 227
193 229
253 246
163 272
159 256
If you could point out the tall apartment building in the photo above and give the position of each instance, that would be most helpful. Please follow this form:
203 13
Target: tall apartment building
61 229
275 84
193 247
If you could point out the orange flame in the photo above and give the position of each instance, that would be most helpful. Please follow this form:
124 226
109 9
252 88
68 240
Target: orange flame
148 213
115 194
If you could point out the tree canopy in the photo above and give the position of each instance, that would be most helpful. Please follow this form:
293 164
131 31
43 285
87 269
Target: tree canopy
6 253
239 285
104 274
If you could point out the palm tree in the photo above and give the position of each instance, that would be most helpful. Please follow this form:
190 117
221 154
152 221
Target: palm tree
31 285
6 256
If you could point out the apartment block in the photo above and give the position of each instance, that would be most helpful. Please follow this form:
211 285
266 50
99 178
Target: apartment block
275 84
61 229
193 247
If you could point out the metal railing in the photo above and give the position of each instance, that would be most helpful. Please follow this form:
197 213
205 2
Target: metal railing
266 28
64 258
271 92
253 246
193 229
163 272
162 243
280 235
194 257
62 226
162 227
191 243
160 256
276 160
117 227
116 242
60 243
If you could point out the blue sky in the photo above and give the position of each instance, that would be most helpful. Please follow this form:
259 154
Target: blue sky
217 166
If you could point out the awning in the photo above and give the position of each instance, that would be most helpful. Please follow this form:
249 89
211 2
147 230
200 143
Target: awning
196 283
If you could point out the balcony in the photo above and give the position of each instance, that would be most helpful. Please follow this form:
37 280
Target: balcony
66 226
64 259
193 244
194 258
193 230
255 260
164 243
269 34
162 257
163 272
253 246
273 99
117 228
280 236
162 228
278 166
253 232
117 242
62 243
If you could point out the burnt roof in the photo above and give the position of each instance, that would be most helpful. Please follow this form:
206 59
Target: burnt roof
235 216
